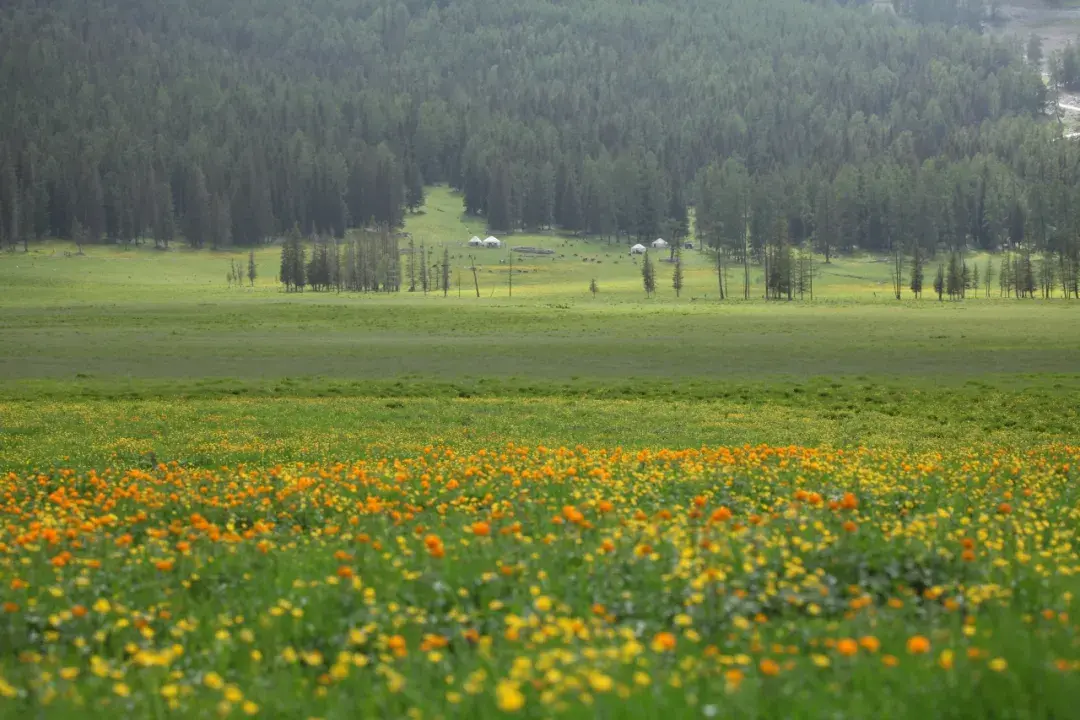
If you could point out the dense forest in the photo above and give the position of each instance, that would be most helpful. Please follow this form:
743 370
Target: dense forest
782 121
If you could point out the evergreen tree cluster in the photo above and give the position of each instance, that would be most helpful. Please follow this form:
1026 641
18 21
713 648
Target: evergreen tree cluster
367 261
1019 192
228 123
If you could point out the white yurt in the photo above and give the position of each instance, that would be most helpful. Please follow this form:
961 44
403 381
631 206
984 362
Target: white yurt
476 242
638 249
492 242
660 244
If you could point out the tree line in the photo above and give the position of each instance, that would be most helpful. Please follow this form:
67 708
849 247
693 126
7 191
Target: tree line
221 124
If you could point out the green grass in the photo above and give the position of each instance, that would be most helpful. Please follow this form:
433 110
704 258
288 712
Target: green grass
254 373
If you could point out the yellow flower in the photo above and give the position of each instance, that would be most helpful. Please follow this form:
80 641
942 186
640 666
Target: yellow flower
102 606
945 660
121 689
169 691
7 690
821 661
508 697
233 694
395 681
249 708
69 673
998 665
542 603
600 682
213 681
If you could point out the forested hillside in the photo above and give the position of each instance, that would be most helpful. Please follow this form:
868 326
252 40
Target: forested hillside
229 123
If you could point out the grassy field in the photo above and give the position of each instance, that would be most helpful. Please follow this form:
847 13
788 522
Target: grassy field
229 501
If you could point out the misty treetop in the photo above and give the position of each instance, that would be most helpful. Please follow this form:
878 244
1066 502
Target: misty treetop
228 123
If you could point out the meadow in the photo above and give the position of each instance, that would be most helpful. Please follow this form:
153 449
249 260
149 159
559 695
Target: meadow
219 501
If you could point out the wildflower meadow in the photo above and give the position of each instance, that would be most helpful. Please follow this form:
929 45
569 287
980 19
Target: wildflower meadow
532 581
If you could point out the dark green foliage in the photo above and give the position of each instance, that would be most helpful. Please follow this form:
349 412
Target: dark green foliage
677 271
251 118
648 275
918 265
293 274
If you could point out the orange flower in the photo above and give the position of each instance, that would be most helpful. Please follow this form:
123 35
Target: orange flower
699 500
164 565
605 506
10 607
1004 508
870 643
480 529
397 645
889 660
847 647
344 571
769 667
918 645
720 514
850 526
78 611
968 556
733 678
849 502
663 642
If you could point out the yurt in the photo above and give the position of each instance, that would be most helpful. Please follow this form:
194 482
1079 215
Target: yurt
492 242
476 242
660 244
638 249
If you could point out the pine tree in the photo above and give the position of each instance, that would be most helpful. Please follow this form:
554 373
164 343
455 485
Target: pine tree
285 271
251 269
988 276
917 269
939 282
593 287
677 271
954 278
648 275
976 281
